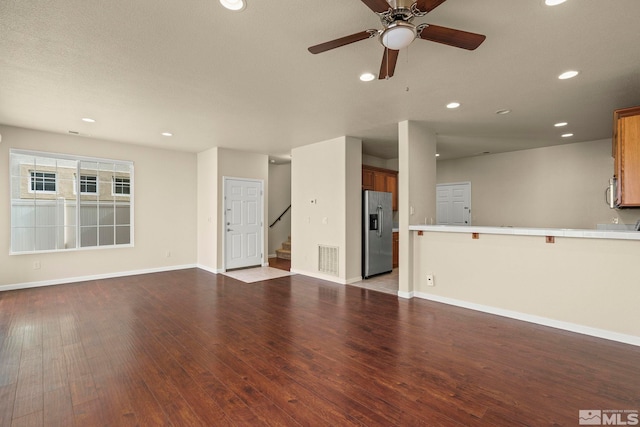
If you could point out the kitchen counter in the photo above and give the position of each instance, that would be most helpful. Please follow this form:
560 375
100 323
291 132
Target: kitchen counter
519 231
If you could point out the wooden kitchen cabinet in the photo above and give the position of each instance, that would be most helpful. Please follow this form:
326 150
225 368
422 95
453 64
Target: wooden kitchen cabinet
626 153
391 185
396 249
379 179
368 179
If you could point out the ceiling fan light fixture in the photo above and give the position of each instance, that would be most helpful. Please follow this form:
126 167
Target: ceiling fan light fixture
235 5
398 35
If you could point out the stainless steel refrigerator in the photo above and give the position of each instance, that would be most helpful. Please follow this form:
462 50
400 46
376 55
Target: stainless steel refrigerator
377 246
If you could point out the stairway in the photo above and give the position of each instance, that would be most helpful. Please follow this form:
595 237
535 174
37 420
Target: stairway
285 251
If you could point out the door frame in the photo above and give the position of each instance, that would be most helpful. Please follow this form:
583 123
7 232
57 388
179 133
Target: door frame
224 218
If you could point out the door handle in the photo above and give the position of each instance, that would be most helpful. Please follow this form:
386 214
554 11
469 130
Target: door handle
229 229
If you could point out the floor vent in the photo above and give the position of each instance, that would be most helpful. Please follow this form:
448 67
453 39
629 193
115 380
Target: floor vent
328 259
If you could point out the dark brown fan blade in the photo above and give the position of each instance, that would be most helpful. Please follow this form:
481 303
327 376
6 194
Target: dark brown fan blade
388 66
323 47
378 6
428 5
451 37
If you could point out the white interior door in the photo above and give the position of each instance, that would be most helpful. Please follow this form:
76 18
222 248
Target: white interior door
453 204
243 207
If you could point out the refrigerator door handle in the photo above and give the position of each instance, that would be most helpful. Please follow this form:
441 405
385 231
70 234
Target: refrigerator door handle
380 220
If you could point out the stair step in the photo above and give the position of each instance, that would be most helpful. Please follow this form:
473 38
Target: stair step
286 245
283 253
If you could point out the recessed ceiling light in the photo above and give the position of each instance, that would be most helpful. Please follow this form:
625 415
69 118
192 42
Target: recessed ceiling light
236 5
503 112
167 134
553 2
567 135
367 77
561 124
437 155
88 120
452 105
568 75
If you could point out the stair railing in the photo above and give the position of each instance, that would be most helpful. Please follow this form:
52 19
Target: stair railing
280 217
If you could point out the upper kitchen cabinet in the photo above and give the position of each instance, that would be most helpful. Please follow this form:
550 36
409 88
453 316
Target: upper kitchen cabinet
379 179
368 179
626 153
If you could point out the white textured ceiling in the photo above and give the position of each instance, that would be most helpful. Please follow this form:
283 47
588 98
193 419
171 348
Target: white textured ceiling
245 80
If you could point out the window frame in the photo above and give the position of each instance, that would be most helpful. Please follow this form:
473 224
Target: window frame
33 180
115 185
74 200
83 181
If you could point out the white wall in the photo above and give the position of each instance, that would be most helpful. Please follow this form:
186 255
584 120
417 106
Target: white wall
379 162
553 187
578 284
213 165
279 199
326 185
164 212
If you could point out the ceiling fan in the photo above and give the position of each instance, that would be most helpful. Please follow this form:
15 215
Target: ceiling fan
399 31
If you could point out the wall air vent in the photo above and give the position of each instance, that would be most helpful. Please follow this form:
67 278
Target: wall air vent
328 259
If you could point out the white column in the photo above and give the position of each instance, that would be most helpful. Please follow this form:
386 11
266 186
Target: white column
417 192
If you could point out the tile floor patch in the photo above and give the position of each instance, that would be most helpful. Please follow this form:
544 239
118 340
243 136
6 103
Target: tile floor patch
258 274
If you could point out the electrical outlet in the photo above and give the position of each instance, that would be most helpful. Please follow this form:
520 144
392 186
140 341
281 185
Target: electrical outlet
36 265
430 281
168 254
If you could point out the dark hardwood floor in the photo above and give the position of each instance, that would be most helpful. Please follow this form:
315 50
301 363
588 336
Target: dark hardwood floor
190 348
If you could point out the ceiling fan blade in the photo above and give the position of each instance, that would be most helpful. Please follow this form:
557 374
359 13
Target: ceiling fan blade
323 47
428 5
388 66
378 6
452 37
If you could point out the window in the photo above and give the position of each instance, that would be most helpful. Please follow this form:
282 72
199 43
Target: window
88 184
43 181
53 210
121 186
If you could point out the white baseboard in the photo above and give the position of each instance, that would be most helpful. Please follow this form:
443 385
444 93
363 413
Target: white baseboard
320 276
544 321
209 269
406 295
76 279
